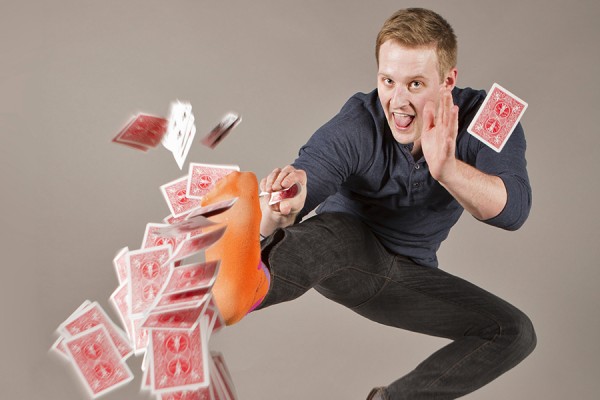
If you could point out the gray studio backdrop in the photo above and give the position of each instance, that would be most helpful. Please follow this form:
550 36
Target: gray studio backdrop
73 72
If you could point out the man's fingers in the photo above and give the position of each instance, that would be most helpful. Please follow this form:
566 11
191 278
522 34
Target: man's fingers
270 179
429 118
283 178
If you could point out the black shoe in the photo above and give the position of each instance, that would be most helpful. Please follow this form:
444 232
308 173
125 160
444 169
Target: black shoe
377 394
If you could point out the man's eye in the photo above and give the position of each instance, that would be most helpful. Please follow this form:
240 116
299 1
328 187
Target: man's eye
415 84
387 81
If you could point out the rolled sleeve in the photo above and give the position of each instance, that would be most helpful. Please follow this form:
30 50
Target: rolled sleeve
509 165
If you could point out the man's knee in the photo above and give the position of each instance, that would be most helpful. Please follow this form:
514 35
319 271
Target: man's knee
525 338
517 334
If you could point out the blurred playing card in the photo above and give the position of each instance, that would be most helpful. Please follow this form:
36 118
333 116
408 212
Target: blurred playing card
154 235
196 244
224 375
216 320
229 121
192 277
98 361
142 132
217 384
212 209
120 264
175 193
121 304
199 394
497 117
59 348
184 227
183 319
203 177
148 271
179 360
180 301
140 335
91 316
180 132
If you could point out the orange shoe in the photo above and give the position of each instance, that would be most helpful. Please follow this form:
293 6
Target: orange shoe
243 280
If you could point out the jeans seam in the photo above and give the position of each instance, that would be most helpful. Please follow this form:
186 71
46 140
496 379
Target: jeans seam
463 360
484 314
356 267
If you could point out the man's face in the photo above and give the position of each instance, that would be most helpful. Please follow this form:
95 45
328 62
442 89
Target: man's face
407 79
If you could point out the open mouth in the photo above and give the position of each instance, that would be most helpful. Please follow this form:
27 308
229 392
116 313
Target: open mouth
402 120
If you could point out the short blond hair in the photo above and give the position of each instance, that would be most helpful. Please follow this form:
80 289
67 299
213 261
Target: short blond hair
419 27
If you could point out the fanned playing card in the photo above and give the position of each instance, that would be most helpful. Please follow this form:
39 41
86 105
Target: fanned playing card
94 315
98 361
180 131
176 195
179 360
148 271
203 177
229 121
142 132
497 117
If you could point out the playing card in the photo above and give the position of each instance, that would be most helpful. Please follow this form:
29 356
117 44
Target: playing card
180 132
91 316
142 132
173 220
180 301
140 335
199 394
98 361
182 228
59 348
192 277
203 177
175 193
154 236
179 360
121 304
120 264
219 362
196 244
276 197
148 271
184 319
212 209
497 117
217 384
216 320
229 121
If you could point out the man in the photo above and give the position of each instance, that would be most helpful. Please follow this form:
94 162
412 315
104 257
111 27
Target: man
390 174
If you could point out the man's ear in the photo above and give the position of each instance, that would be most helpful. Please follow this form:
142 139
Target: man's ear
450 78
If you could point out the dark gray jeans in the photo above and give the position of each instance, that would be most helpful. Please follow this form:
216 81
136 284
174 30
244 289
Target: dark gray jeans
338 256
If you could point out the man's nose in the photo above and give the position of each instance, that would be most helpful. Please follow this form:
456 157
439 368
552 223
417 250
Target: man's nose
400 97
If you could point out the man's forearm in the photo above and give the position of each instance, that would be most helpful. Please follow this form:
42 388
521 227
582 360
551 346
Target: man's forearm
482 195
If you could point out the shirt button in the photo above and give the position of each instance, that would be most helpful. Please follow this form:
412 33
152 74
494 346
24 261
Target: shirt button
417 166
416 184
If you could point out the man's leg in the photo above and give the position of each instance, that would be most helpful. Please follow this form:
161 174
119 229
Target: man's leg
489 335
302 256
297 257
242 281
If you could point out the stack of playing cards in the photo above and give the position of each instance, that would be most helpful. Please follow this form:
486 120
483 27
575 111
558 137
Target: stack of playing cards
497 117
166 308
176 134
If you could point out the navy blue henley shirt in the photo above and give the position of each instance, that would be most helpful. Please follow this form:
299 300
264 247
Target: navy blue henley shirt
354 165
